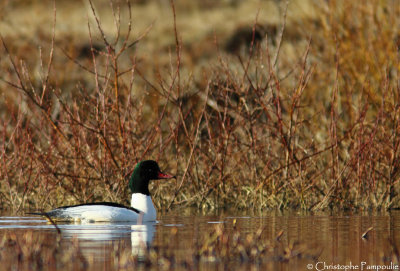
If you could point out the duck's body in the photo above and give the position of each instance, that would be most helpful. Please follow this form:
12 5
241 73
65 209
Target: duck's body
94 212
142 207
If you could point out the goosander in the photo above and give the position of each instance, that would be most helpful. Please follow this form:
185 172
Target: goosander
142 207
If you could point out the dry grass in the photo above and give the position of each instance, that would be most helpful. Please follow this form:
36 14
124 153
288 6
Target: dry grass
302 112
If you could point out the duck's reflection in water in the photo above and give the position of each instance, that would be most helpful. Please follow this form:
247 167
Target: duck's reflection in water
141 238
98 239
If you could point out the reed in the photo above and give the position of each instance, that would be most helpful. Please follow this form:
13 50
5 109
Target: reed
303 115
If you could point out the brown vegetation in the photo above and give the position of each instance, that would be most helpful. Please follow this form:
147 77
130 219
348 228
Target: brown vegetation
306 117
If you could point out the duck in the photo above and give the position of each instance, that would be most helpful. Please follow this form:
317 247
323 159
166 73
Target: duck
141 210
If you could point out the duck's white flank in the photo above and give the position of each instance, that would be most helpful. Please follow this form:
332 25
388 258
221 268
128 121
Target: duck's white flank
98 213
142 211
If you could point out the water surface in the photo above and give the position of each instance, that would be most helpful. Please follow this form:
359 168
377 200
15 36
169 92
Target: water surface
272 241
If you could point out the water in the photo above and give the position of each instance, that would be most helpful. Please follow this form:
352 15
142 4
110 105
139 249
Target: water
200 242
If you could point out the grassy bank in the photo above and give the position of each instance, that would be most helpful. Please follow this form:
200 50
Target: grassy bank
264 106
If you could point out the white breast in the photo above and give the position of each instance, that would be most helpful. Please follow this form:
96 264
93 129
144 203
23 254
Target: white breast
144 204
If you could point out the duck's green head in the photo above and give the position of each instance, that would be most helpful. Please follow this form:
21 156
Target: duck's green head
143 173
